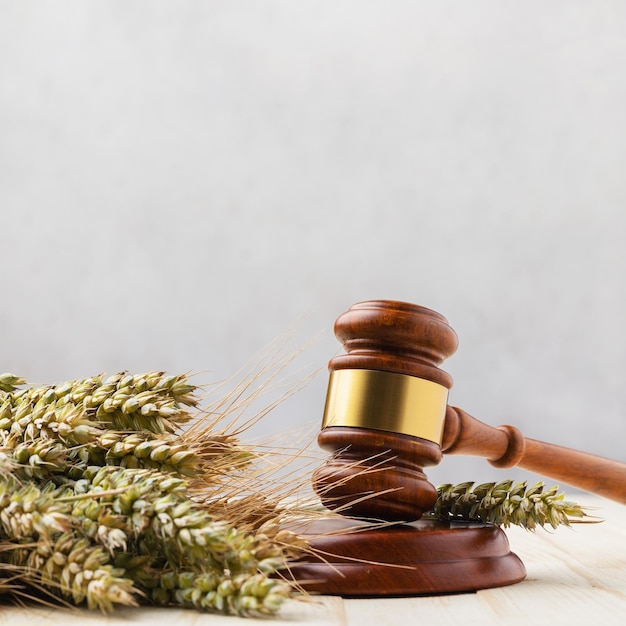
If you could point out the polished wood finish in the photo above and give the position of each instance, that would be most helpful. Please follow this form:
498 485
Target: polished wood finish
505 446
425 557
412 340
377 474
395 337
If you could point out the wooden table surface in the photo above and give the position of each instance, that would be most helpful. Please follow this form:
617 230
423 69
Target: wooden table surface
575 576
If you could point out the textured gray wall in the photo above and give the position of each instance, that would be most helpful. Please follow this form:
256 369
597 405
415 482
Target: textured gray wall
181 182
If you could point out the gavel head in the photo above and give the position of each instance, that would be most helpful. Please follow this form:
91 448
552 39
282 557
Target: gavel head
385 411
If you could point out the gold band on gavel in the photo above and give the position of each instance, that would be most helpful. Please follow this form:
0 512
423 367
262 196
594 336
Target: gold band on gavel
386 401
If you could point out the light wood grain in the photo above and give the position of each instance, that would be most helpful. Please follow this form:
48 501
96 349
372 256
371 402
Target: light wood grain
327 611
575 576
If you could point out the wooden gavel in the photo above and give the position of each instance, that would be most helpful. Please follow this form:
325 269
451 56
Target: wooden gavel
387 417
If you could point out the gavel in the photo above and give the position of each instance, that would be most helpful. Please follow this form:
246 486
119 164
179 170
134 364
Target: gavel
386 418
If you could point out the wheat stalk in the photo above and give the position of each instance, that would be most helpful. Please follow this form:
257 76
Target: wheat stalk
10 382
507 503
244 595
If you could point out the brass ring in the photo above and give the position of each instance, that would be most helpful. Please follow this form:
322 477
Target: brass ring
386 401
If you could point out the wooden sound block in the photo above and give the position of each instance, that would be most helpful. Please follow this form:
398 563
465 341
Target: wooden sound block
422 558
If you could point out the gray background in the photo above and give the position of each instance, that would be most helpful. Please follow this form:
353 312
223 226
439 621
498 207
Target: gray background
182 182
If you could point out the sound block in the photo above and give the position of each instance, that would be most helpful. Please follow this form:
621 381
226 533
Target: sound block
356 559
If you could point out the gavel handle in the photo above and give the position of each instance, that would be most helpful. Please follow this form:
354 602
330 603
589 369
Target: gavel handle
505 446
